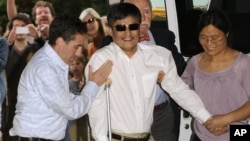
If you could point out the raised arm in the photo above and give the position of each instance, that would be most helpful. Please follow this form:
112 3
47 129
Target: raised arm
11 8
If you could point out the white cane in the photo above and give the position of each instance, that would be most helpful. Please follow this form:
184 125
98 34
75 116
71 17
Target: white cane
107 86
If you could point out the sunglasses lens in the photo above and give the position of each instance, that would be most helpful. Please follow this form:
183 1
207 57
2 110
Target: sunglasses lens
89 21
133 26
120 27
130 27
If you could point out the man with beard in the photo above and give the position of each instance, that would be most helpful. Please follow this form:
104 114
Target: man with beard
43 13
20 52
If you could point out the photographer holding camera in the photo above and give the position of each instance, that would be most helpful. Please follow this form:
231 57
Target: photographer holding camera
20 52
43 14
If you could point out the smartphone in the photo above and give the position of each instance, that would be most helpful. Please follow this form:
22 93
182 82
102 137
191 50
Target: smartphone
22 30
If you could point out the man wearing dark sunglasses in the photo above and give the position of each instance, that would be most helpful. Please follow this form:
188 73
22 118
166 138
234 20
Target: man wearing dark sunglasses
134 78
166 122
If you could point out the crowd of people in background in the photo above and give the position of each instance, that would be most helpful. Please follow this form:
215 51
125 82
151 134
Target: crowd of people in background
52 76
23 45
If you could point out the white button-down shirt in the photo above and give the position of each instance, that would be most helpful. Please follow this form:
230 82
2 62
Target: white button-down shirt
132 92
160 96
44 102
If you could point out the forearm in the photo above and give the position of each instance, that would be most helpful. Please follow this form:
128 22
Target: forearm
239 114
182 95
222 121
11 9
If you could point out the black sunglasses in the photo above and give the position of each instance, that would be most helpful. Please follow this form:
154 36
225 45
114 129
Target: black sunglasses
89 21
134 26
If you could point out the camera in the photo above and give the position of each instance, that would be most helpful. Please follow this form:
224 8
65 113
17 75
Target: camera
22 30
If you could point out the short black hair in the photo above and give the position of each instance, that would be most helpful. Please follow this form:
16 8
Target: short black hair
120 11
66 26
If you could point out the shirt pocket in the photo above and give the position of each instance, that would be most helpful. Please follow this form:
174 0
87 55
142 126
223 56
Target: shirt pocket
149 84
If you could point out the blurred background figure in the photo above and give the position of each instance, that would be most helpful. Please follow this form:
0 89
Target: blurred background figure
96 29
43 14
76 68
105 21
79 128
4 50
20 52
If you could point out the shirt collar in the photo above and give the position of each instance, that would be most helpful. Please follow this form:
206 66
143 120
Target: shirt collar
151 42
54 57
119 52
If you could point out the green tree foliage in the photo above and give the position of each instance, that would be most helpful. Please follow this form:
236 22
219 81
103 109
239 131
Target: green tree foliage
3 16
76 6
60 6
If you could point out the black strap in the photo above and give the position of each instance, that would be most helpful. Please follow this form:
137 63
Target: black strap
18 138
119 137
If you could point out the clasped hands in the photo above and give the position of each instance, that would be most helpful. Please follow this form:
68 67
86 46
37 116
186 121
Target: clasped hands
217 125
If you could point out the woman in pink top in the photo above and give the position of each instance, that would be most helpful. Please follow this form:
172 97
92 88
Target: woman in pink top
220 76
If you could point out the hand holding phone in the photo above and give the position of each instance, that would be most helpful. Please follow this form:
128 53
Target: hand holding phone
22 30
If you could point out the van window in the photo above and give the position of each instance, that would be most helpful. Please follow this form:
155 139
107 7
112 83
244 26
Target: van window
188 12
201 4
159 14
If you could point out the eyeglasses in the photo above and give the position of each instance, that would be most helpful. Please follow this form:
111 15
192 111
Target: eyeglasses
120 27
89 21
213 39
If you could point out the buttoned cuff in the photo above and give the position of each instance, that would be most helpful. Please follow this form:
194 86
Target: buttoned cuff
101 138
202 115
91 88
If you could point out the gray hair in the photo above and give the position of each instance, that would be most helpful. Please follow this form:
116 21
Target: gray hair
149 1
